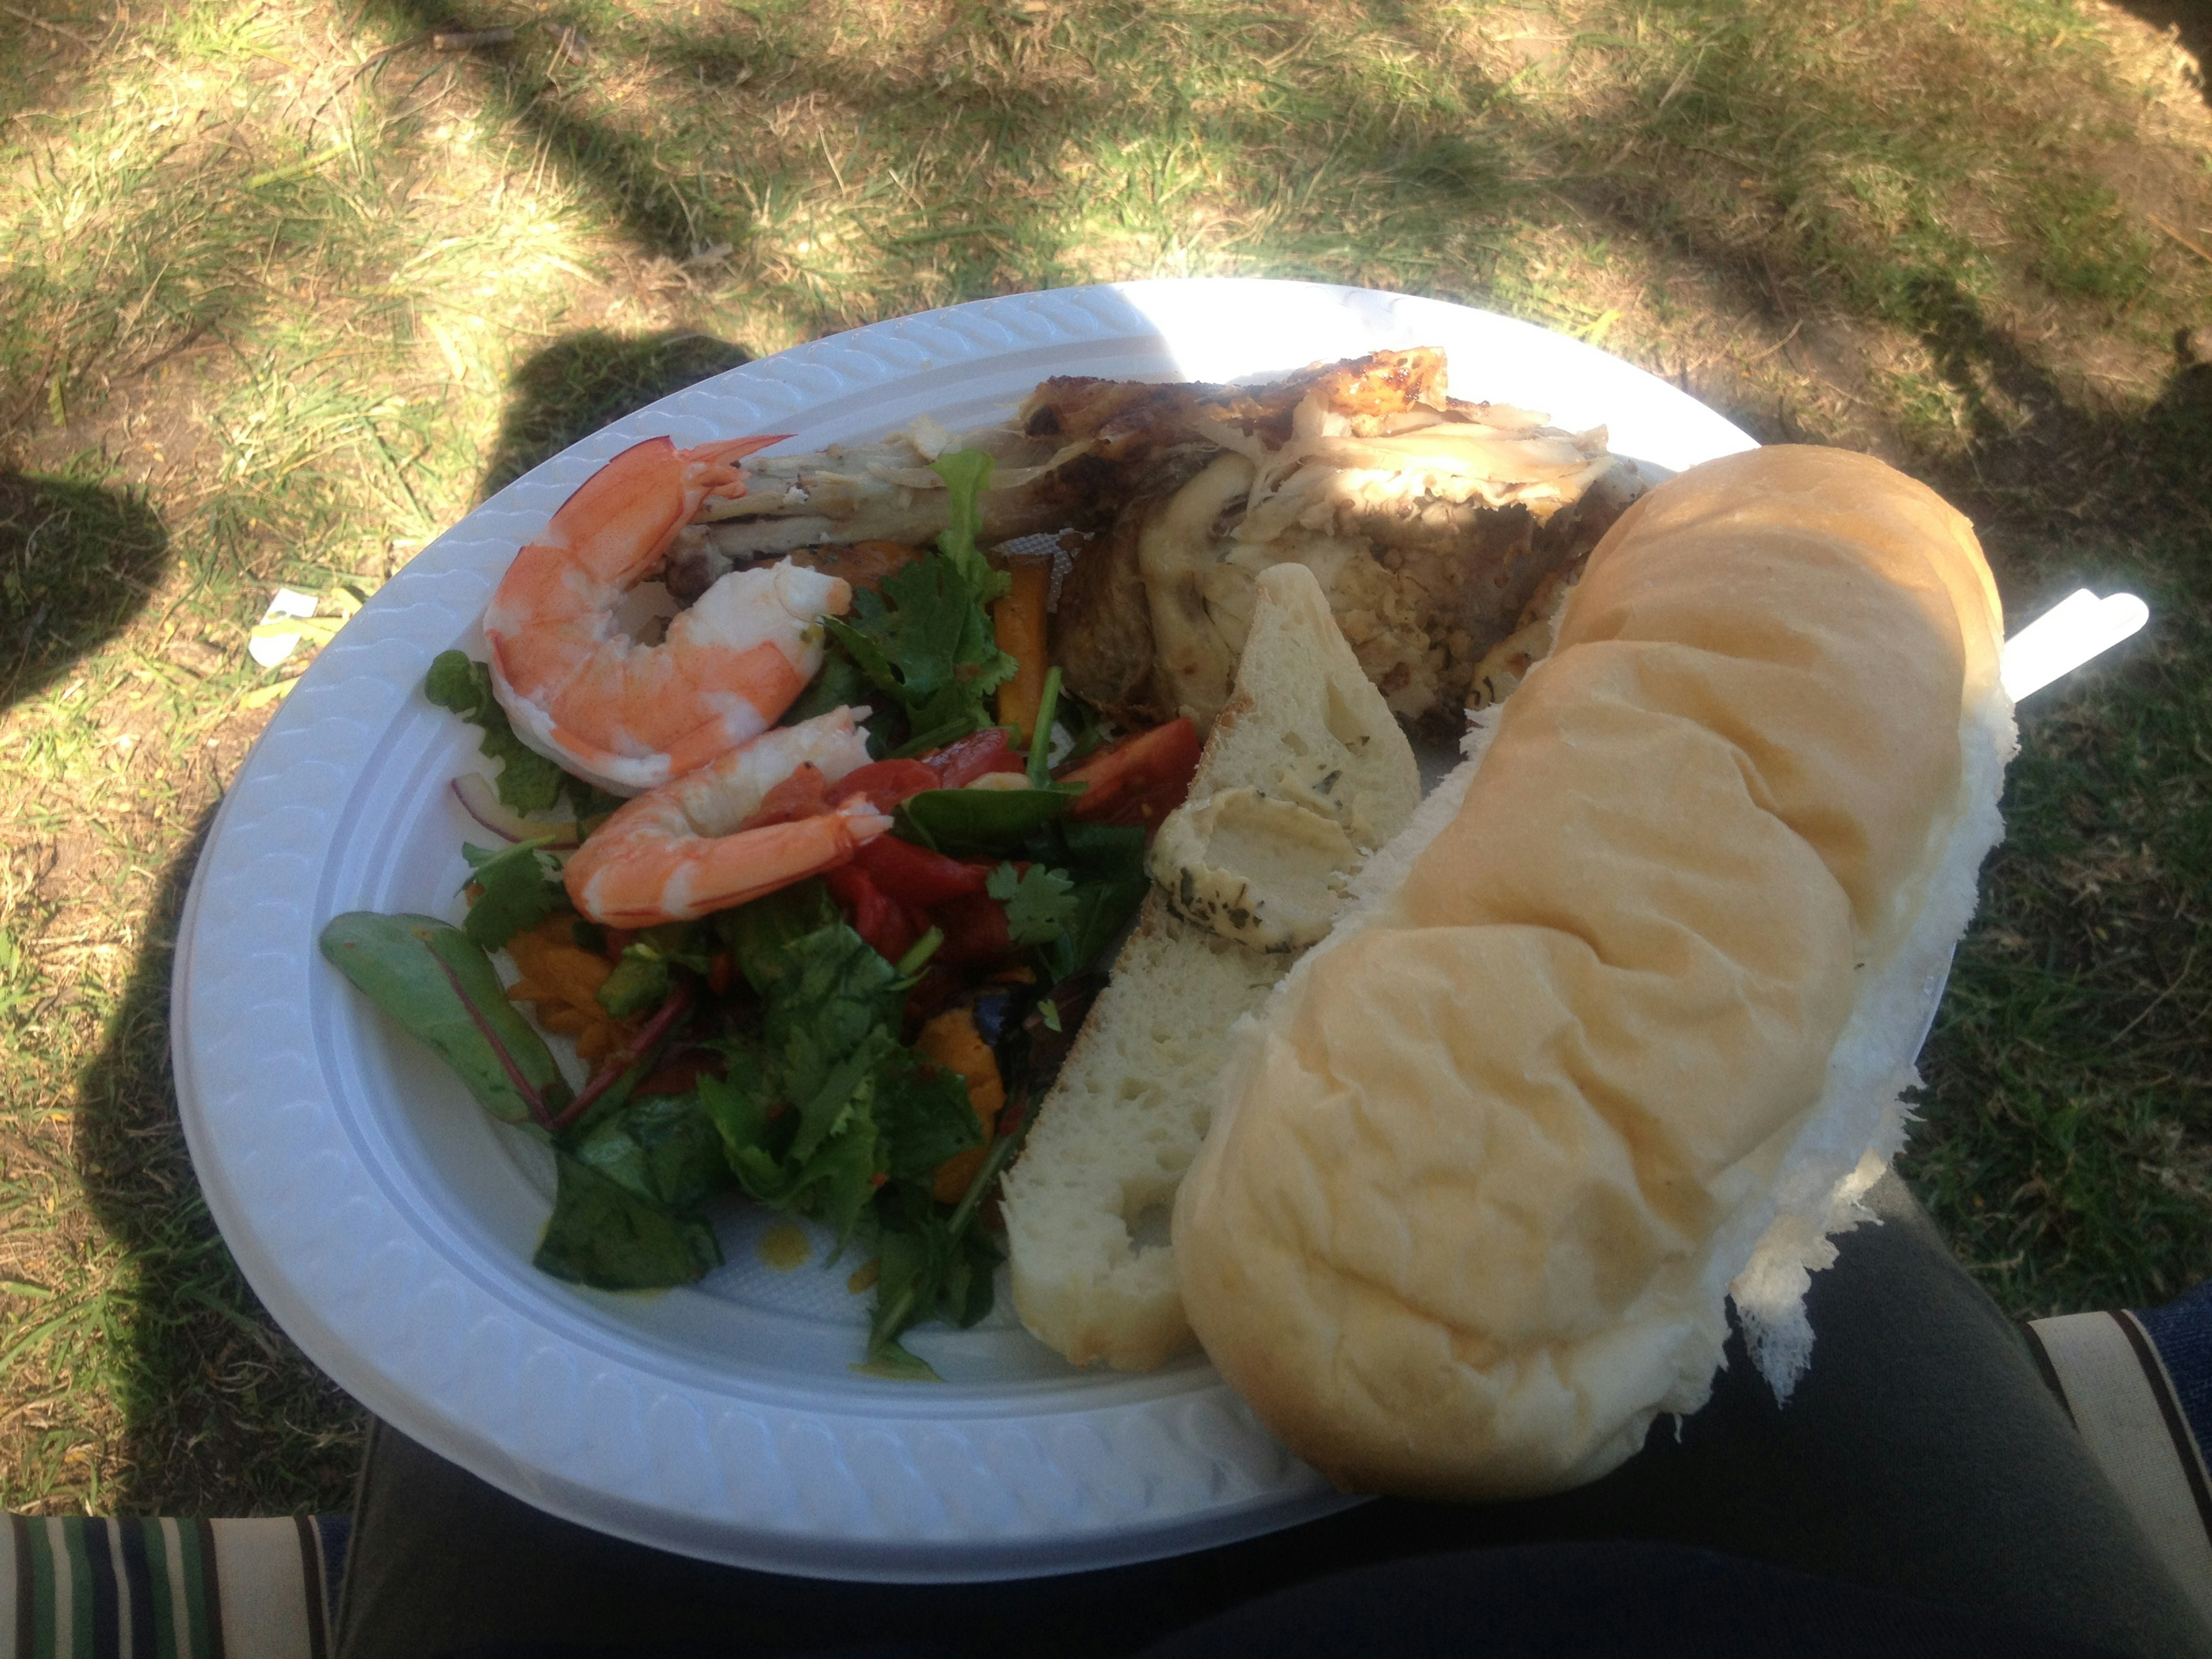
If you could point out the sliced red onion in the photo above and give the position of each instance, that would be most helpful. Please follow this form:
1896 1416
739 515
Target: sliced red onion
481 801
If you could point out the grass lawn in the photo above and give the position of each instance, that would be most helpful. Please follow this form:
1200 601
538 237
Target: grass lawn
286 287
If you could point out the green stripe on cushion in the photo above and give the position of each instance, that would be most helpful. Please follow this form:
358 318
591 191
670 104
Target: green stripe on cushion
167 1579
45 1597
79 1588
74 1540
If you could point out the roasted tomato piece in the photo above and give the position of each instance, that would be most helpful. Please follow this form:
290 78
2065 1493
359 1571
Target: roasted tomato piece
1140 779
914 875
958 764
875 917
886 783
975 930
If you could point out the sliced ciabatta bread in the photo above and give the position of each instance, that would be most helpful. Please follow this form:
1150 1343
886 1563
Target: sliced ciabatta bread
1086 1205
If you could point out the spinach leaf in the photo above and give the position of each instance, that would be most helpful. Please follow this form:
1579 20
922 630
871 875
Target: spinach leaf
985 823
431 980
519 890
606 1236
665 1149
527 782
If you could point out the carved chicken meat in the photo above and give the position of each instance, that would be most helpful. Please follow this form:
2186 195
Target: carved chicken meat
1438 527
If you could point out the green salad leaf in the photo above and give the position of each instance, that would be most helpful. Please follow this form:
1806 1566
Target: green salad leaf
664 1149
923 643
643 976
759 933
1041 903
519 889
928 1269
979 822
605 1235
437 984
825 1112
527 782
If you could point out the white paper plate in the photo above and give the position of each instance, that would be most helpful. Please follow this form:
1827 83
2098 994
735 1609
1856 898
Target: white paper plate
388 1223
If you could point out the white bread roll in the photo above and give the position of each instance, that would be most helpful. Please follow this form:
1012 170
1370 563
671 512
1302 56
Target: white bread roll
1485 1166
1128 1109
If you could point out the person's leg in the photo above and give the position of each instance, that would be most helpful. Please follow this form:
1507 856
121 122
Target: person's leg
1615 1601
1921 1456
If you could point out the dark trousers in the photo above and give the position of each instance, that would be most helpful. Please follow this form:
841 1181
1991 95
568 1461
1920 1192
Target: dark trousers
1922 1492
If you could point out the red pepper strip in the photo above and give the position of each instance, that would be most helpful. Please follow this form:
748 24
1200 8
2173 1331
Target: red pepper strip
619 940
721 968
958 764
914 875
975 930
874 917
886 783
804 794
1140 779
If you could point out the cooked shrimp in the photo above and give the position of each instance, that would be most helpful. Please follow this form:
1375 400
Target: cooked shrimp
630 716
680 851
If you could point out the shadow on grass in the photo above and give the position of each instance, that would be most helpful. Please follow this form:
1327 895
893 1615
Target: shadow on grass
219 1410
77 563
573 387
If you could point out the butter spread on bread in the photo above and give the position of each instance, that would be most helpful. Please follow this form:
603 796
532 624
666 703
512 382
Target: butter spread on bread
1634 1023
1304 757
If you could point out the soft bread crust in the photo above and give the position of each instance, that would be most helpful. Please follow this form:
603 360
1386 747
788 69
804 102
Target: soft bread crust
1131 1105
1483 1166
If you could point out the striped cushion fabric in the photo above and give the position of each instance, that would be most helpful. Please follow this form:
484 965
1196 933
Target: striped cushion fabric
79 1588
2139 1386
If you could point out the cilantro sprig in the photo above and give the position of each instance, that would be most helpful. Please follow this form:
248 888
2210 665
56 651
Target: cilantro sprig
825 1114
1041 903
517 887
923 644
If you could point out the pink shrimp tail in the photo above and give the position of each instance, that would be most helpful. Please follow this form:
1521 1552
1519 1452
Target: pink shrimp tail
627 880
